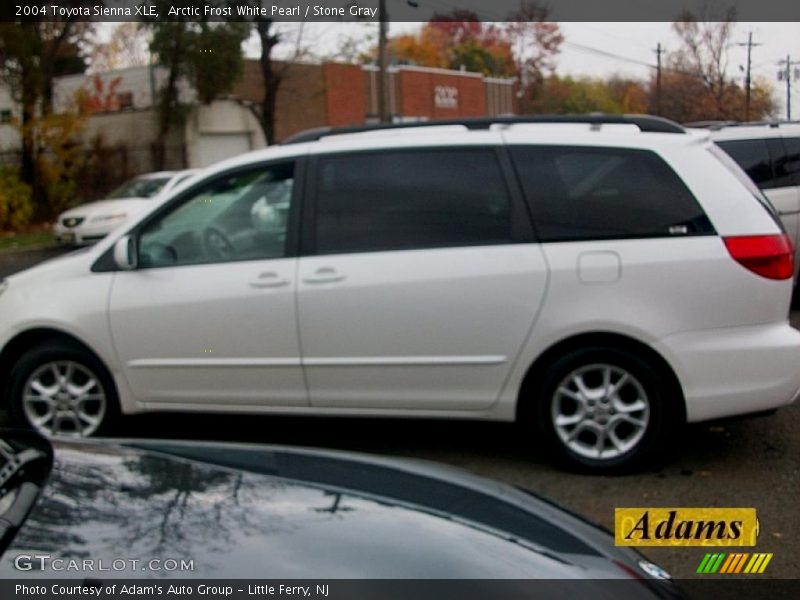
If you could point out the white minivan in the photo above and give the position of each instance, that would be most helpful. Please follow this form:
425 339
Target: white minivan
600 280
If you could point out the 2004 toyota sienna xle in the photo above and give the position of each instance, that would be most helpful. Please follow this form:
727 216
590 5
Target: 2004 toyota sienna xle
603 282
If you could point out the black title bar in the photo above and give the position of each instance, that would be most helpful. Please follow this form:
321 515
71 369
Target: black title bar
397 10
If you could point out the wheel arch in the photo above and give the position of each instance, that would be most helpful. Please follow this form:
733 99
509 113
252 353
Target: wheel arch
525 404
25 340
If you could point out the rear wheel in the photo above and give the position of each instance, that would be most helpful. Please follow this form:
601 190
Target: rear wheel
62 390
603 409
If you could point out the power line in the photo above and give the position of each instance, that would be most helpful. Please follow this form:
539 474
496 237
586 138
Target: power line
607 54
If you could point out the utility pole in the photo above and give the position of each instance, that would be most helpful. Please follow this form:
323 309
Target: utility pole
786 74
749 45
659 51
383 115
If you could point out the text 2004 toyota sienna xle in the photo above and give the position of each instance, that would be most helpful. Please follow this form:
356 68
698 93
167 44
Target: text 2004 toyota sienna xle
602 283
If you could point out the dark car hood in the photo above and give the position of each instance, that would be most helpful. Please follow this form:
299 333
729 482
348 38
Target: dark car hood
255 511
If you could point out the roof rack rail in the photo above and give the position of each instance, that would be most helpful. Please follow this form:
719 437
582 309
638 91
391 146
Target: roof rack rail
711 124
717 125
646 123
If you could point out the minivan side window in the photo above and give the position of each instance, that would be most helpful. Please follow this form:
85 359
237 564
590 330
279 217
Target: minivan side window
754 158
590 193
237 216
793 157
780 164
409 199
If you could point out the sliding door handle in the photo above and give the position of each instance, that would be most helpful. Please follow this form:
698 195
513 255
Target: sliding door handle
324 275
269 279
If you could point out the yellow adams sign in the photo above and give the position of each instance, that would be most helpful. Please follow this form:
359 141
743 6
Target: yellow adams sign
685 527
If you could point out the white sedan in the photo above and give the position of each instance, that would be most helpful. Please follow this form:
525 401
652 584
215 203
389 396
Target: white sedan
89 223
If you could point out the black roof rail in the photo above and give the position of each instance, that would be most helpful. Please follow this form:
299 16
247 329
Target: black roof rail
717 125
711 124
646 123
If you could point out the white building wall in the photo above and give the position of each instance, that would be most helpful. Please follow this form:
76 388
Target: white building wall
142 83
10 140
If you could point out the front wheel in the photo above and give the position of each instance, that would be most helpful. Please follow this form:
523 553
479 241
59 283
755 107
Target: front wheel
603 409
61 390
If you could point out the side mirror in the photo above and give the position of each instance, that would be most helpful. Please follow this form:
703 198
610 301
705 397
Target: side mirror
125 255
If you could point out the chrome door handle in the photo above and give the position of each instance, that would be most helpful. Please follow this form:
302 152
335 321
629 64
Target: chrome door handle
324 275
269 280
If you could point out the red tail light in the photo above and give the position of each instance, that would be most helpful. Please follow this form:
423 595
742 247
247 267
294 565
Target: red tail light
770 256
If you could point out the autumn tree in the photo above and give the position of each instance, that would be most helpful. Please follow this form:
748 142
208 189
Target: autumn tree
685 98
32 54
127 46
695 85
453 41
524 46
568 95
538 43
205 54
270 35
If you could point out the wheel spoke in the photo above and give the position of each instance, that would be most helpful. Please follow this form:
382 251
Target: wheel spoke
89 398
581 385
38 387
579 428
567 420
45 418
82 416
76 390
577 397
39 399
615 441
632 407
629 419
614 389
600 442
69 371
607 380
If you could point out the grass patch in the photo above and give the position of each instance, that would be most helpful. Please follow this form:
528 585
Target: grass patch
22 241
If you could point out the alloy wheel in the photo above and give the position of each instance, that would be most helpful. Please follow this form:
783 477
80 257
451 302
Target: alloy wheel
64 398
600 411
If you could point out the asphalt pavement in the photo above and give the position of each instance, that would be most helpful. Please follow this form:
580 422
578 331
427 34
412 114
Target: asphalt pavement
746 463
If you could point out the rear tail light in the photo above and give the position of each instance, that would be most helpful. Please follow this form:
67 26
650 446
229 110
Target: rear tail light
770 256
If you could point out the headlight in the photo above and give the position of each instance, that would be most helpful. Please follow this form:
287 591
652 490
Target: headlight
105 218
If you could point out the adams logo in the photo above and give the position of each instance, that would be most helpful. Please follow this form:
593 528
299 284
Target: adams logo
685 527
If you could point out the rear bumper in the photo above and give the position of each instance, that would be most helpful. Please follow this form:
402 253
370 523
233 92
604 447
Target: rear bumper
735 371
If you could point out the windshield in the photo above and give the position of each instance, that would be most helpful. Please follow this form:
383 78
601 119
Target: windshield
141 187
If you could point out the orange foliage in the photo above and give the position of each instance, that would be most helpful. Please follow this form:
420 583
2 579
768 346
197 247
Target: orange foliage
100 98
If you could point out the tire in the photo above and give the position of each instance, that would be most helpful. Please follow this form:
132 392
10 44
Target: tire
81 402
591 430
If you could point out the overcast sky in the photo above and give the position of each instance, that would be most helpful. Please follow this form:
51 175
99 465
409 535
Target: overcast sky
602 49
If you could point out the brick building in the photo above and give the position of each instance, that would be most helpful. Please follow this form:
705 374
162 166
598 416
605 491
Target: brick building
344 94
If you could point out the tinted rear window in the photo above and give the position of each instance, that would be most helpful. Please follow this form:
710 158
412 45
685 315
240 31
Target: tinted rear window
409 199
755 159
579 193
793 157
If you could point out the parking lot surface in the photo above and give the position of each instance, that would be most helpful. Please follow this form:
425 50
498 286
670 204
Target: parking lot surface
745 463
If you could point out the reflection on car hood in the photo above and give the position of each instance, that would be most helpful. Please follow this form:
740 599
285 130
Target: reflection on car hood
293 513
106 207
